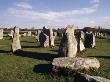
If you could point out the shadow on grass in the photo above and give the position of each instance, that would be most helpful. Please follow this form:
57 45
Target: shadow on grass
54 50
104 57
48 69
36 55
28 42
4 51
43 68
29 46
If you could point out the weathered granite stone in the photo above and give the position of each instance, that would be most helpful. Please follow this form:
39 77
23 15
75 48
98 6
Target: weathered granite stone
24 34
16 42
1 33
37 35
76 63
51 38
46 43
29 33
68 44
11 34
89 40
55 34
81 77
93 45
44 40
80 45
82 35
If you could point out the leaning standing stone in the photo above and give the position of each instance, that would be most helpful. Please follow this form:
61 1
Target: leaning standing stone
16 42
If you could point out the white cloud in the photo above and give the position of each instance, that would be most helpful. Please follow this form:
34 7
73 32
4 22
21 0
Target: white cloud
24 5
107 18
94 1
50 15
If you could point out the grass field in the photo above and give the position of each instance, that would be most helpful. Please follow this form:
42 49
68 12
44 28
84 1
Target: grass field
33 64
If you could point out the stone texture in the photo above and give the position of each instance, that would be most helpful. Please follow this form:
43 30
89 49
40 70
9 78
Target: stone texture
89 40
11 34
68 44
16 42
46 43
76 63
51 37
80 45
82 35
55 34
44 40
37 35
24 34
93 45
29 33
81 77
1 33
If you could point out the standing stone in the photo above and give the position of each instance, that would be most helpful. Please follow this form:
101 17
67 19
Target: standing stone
93 45
46 43
1 33
68 44
89 40
51 37
16 42
37 35
80 45
29 33
55 34
82 35
44 40
24 34
11 34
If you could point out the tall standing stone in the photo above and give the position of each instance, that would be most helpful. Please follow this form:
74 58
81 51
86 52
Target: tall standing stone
93 45
11 34
89 40
29 33
43 40
68 44
1 33
16 42
38 33
80 45
51 37
82 35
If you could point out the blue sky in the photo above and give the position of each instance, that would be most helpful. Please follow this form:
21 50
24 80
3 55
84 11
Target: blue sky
55 13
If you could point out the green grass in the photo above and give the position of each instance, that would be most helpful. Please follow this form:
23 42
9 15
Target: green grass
33 64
